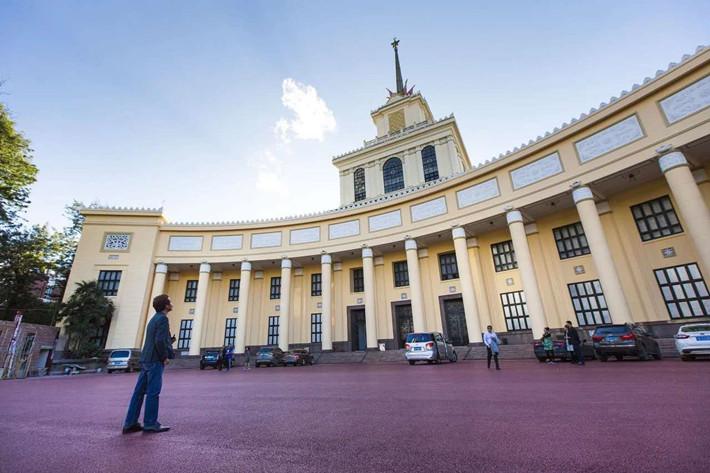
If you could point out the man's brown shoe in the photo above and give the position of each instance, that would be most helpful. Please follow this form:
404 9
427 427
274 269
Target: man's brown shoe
133 428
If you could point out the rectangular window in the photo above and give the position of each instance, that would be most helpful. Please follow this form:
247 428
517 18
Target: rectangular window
515 310
358 280
656 218
230 331
684 291
185 334
401 274
273 334
448 267
108 282
275 288
504 256
571 240
316 288
234 289
191 290
316 328
589 303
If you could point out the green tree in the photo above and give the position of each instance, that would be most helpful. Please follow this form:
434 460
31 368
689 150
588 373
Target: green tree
68 240
17 172
85 316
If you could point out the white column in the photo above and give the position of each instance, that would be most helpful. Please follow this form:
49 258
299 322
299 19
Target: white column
326 302
198 320
415 285
453 156
473 323
161 271
244 280
368 272
603 261
527 272
285 303
691 205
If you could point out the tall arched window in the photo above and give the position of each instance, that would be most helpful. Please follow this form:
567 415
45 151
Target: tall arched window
359 184
431 170
393 175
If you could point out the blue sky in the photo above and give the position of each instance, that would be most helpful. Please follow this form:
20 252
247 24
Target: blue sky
176 103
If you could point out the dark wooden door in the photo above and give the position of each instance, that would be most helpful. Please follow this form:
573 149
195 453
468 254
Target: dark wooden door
404 323
455 317
358 336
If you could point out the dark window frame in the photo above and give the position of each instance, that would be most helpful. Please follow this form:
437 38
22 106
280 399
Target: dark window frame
393 175
185 334
589 303
656 218
316 327
109 281
429 164
316 284
275 288
504 256
400 273
448 266
571 240
359 184
230 331
234 286
191 290
517 311
357 280
677 294
272 335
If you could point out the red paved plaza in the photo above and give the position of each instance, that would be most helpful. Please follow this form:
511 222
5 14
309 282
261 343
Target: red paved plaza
529 417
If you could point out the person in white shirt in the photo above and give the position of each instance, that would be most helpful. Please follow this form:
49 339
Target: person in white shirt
490 338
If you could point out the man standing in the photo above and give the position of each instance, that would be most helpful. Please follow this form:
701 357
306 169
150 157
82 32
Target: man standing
572 338
157 350
490 338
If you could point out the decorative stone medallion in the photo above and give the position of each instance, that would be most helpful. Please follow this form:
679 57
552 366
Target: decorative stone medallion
536 171
687 101
117 241
609 139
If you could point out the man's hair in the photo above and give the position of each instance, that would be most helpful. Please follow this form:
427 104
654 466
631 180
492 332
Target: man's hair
569 322
160 302
490 326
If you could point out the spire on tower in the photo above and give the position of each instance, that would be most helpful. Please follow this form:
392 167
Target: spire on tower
401 85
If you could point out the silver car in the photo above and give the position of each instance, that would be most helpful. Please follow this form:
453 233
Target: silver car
430 347
123 360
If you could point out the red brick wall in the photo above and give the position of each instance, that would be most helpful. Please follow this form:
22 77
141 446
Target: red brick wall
45 337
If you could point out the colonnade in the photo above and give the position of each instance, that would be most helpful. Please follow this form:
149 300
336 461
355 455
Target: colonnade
674 166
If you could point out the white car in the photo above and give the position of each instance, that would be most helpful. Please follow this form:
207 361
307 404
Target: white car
430 347
693 340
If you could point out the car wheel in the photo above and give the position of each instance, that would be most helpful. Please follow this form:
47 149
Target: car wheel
602 358
202 366
541 360
643 355
658 355
429 362
411 362
129 370
685 358
109 371
619 357
455 358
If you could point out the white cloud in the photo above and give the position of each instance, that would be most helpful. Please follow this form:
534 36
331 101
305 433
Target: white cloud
269 174
313 119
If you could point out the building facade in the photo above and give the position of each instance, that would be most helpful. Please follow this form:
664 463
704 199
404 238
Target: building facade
604 219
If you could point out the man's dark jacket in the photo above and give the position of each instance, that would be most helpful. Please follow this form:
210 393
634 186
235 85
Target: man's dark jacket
573 336
158 346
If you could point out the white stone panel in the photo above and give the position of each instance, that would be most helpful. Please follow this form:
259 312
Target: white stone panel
227 242
687 101
305 235
266 240
428 209
478 193
609 139
536 171
385 221
343 230
185 243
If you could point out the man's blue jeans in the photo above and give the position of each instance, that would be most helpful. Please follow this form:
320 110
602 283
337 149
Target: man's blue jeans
150 381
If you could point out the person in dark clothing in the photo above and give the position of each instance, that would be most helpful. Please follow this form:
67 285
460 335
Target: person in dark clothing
572 339
247 359
157 350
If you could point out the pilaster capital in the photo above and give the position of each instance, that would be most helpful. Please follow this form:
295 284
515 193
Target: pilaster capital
367 252
410 244
286 263
326 259
582 193
246 266
672 160
458 232
205 268
161 268
513 216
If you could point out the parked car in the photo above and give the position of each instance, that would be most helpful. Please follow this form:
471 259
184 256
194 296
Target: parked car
211 358
560 348
428 346
298 357
624 340
269 356
693 340
123 360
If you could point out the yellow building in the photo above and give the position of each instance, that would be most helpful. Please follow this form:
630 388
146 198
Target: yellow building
604 219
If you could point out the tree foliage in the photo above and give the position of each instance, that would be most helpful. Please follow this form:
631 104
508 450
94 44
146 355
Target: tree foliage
85 315
17 172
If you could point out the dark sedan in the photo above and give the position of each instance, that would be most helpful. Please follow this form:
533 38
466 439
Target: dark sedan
211 358
625 340
269 356
298 357
560 348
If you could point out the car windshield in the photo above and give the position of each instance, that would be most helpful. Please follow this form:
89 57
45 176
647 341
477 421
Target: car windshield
265 350
696 328
419 337
211 353
120 354
612 330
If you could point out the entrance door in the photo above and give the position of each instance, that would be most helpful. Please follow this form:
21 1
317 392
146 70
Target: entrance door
358 336
455 322
403 323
